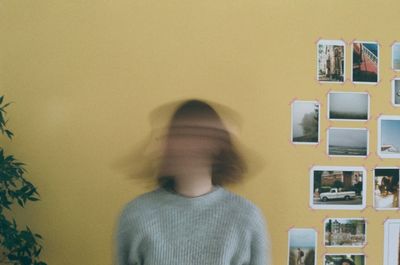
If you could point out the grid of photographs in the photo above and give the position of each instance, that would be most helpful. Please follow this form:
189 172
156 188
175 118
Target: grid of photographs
344 187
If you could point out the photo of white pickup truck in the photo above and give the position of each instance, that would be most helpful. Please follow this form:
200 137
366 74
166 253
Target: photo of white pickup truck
334 194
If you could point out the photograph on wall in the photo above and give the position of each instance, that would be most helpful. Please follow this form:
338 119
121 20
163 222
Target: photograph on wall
302 246
386 188
388 136
396 92
344 259
335 187
396 56
345 232
305 122
348 106
365 62
351 142
391 242
331 61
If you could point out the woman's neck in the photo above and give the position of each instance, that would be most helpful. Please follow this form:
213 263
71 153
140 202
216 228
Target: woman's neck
193 185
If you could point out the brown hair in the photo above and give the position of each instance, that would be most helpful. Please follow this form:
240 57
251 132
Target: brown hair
228 166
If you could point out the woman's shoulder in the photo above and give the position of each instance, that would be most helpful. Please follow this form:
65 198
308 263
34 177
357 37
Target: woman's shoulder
140 205
242 205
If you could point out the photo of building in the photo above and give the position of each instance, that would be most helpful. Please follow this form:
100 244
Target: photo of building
331 62
345 232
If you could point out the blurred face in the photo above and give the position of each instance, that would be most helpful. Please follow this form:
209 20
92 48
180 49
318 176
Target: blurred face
189 141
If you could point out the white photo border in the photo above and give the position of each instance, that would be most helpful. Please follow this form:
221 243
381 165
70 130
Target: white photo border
387 255
332 42
319 122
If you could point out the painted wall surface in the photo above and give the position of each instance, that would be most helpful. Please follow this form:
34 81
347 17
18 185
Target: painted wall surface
85 75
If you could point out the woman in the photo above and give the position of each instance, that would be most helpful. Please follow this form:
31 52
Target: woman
190 218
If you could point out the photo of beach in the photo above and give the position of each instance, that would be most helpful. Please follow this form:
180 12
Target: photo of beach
348 142
302 246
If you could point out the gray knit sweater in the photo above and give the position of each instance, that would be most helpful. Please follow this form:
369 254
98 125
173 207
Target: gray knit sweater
218 228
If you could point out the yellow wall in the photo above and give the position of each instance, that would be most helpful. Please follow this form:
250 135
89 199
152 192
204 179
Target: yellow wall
84 76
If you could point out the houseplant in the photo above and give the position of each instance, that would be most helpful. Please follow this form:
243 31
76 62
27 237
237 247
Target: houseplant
17 246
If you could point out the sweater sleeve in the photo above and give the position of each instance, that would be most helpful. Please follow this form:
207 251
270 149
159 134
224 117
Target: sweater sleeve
260 245
126 239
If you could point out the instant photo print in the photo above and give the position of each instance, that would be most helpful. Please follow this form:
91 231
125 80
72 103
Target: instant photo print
386 188
302 246
337 188
331 61
365 62
348 142
305 122
348 106
389 136
345 232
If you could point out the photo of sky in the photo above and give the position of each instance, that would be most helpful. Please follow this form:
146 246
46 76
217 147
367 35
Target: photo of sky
352 103
390 133
348 137
302 238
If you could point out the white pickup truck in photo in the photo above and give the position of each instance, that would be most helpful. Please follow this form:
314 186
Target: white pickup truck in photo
334 194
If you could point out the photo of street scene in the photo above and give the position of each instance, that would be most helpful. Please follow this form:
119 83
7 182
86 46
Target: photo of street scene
305 122
396 56
386 188
388 136
345 259
347 142
365 68
331 62
391 245
348 106
336 187
302 246
342 232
